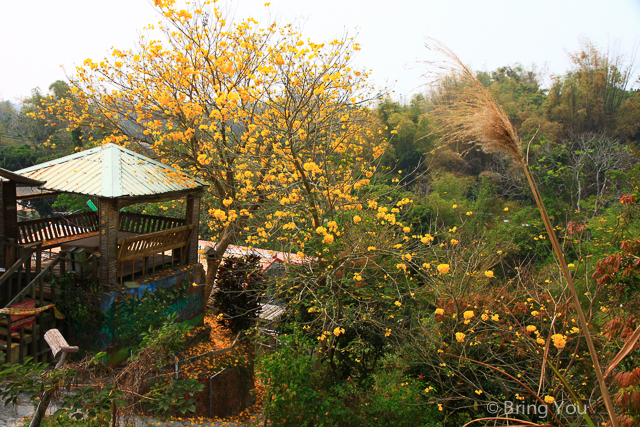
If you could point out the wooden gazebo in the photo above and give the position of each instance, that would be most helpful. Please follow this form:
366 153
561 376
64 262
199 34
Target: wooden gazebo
117 177
119 244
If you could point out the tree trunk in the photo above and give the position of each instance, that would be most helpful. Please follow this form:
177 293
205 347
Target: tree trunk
213 263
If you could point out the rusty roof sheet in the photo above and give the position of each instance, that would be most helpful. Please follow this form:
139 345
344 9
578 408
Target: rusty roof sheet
110 171
7 175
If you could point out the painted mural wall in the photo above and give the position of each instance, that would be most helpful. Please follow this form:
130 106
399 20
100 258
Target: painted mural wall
130 312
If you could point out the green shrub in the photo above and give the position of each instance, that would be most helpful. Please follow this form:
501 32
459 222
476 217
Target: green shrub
173 396
66 421
298 396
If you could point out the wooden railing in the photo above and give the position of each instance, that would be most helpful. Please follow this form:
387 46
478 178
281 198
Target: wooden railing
52 231
11 285
16 276
146 247
28 341
142 223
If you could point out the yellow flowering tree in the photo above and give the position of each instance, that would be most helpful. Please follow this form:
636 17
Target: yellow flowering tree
275 123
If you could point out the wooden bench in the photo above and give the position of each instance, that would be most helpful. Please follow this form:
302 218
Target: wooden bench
145 247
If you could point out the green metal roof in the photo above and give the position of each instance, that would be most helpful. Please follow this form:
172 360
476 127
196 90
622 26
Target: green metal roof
110 171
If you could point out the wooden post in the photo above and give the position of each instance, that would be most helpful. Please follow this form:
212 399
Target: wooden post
108 210
2 216
8 220
58 344
193 217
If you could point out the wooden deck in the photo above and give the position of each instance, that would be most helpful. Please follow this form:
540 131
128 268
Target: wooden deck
148 265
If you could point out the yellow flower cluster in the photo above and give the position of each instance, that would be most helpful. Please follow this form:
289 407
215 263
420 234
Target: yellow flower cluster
443 268
559 340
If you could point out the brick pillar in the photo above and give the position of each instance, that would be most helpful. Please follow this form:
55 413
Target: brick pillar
108 212
193 217
8 219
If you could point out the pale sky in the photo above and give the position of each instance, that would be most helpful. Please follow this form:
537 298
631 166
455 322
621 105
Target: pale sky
41 39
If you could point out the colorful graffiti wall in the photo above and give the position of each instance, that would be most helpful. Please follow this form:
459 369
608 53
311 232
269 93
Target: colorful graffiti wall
132 311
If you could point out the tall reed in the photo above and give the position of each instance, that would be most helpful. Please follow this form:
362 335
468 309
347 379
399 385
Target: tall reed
467 113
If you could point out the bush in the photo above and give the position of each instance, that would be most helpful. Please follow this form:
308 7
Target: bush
237 289
66 421
298 396
174 396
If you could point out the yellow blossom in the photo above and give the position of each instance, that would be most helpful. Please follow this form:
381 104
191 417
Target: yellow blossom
488 273
426 239
484 317
495 317
328 238
406 229
469 314
356 219
443 268
531 328
439 311
398 303
460 336
559 340
549 399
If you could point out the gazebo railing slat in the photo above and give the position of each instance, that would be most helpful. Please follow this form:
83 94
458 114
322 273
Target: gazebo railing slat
56 230
143 223
60 227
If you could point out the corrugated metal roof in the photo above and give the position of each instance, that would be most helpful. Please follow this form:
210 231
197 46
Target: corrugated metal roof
29 192
110 171
7 175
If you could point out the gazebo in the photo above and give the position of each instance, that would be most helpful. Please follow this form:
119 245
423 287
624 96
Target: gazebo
118 177
121 245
